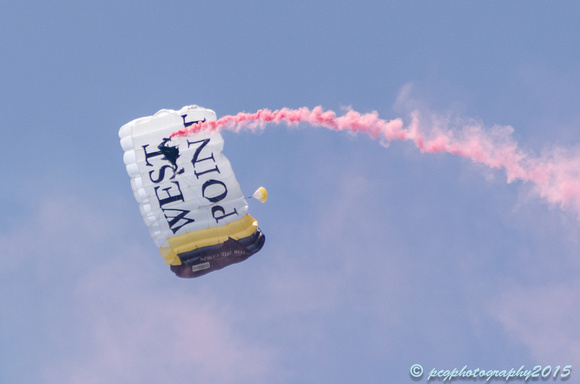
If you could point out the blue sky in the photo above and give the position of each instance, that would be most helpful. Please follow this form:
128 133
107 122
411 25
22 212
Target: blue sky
376 258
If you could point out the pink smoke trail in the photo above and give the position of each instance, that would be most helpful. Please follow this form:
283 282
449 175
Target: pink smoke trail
555 177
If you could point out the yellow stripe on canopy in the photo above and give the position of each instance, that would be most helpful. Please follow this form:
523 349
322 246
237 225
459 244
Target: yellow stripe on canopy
236 230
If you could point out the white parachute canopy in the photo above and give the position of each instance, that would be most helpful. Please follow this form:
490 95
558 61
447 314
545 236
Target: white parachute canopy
187 192
261 195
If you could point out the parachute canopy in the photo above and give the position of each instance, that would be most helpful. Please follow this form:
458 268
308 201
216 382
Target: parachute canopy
261 195
188 194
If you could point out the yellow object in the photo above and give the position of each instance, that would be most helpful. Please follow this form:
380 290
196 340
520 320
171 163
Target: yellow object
236 230
261 195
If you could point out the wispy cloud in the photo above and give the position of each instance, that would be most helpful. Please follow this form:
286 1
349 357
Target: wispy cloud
100 315
145 334
543 318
